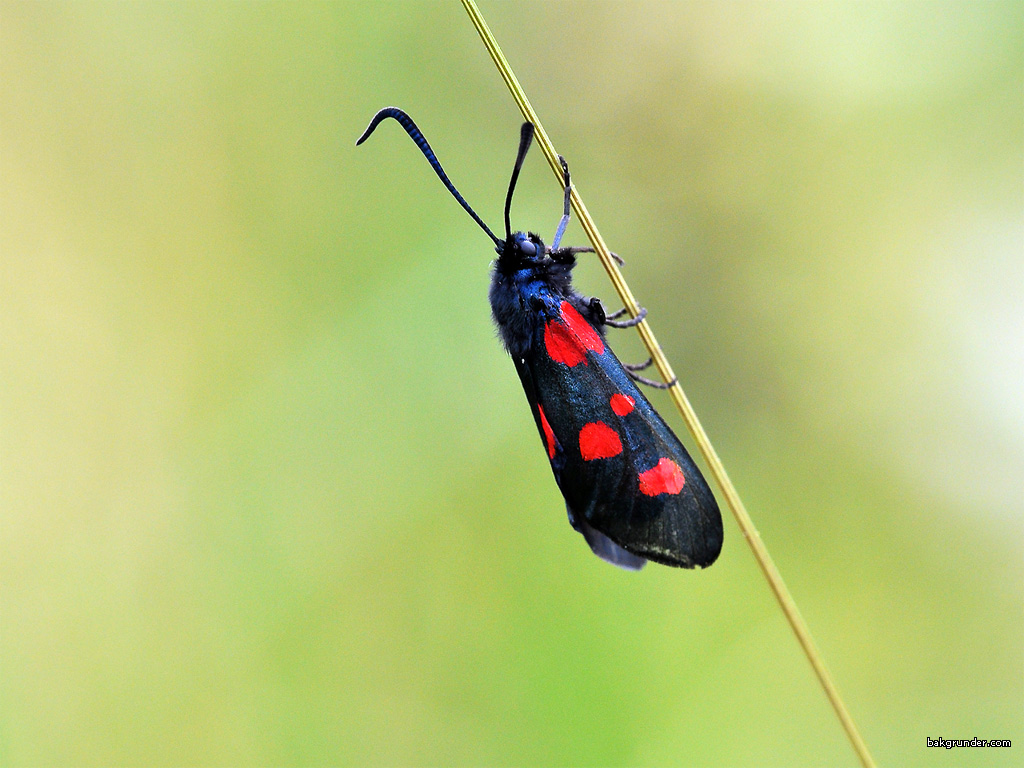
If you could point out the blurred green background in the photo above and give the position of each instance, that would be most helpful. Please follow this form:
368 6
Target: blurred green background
271 493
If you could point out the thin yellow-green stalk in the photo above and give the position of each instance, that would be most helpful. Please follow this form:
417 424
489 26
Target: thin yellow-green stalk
715 466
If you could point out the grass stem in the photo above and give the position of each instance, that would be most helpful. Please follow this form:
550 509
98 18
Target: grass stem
717 469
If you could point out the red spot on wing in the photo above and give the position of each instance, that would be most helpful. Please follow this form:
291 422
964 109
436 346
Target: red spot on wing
561 345
599 441
664 477
621 404
549 434
583 330
567 340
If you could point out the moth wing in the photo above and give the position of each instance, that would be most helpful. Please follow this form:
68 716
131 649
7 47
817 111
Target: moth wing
624 474
604 547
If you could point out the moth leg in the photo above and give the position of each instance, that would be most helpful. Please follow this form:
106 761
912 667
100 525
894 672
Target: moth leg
554 251
650 382
638 366
596 311
610 320
565 209
632 369
574 249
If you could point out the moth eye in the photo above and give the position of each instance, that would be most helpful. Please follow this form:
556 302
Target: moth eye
528 248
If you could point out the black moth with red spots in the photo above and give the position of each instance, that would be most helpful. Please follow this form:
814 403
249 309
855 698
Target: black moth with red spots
630 487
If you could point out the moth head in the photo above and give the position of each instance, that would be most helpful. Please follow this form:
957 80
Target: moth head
528 246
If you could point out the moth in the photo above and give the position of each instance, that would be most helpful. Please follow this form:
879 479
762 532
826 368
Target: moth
630 487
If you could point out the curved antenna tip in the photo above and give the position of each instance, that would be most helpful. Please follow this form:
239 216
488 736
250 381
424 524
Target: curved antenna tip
525 138
382 114
414 133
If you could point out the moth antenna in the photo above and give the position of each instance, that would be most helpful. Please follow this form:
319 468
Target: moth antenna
414 133
525 137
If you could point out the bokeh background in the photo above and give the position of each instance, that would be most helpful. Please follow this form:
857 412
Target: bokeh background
271 493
